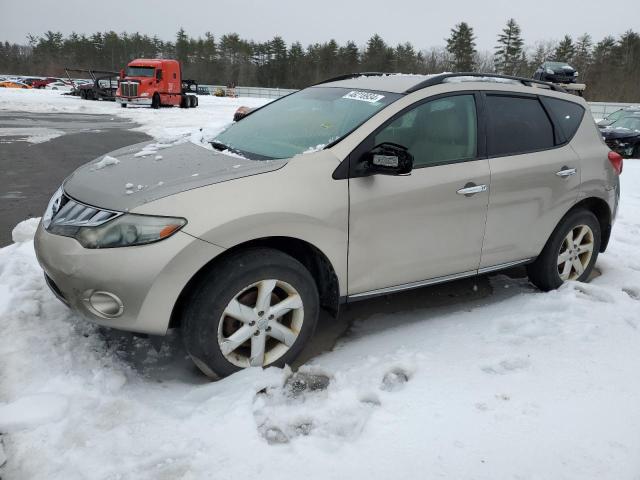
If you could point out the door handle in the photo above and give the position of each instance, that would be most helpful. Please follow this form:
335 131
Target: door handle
566 172
471 189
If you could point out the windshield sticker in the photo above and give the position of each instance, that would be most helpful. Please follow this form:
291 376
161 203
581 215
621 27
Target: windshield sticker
364 96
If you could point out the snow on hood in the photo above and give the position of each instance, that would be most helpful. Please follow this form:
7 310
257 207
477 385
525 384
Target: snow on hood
142 173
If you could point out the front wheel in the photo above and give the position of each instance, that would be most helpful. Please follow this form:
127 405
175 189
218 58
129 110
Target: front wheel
570 253
155 101
257 308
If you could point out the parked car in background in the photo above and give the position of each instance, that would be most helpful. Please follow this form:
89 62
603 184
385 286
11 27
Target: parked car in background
43 82
59 85
401 180
203 90
242 112
618 114
556 72
13 84
623 135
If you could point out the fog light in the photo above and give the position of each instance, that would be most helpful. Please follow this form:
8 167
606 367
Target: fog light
105 304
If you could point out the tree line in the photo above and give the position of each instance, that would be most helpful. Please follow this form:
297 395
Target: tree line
610 67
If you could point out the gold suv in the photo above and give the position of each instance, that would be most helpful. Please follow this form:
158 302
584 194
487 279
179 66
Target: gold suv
359 186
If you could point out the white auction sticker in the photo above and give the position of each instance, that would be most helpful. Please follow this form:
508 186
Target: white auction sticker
364 96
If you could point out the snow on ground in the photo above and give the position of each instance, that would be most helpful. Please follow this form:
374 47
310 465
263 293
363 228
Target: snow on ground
164 124
520 384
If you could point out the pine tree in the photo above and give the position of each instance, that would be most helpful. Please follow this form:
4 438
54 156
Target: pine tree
508 54
565 50
378 57
461 45
582 56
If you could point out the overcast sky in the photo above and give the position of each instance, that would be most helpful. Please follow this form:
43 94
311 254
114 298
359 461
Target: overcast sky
424 23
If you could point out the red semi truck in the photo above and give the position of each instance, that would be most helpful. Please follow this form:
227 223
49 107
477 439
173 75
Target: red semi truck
157 83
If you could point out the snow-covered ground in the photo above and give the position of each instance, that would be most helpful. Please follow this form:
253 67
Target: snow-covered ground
165 124
518 385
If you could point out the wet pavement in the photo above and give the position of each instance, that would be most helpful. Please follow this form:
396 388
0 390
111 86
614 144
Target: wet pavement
39 150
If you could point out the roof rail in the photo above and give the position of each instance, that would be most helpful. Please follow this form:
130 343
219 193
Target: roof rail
352 75
438 79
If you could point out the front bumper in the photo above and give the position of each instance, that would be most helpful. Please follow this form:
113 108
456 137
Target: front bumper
134 100
148 279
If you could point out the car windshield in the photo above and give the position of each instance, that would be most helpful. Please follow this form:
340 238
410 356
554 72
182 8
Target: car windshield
632 123
615 115
302 122
140 71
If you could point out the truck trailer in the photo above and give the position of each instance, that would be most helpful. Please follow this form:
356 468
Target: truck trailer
156 82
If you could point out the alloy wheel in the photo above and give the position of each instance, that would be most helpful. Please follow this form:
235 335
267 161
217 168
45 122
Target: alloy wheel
260 323
575 252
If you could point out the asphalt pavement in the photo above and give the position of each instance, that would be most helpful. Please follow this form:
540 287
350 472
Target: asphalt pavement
39 150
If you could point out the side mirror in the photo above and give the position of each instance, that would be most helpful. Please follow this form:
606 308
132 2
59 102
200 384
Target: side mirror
158 75
388 159
122 74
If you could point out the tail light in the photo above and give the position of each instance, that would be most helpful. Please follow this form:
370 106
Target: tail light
616 161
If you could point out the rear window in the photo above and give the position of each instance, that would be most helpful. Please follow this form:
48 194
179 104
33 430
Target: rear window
568 115
517 125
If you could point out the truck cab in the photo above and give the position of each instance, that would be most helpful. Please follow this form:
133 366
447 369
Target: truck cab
154 82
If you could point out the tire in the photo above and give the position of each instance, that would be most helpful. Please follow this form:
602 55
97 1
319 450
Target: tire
195 101
123 105
155 101
237 280
549 270
184 101
192 101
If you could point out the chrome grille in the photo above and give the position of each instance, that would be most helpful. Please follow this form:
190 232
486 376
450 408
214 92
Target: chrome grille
71 213
129 89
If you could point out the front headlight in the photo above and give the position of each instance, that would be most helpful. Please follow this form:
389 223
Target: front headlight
549 71
129 230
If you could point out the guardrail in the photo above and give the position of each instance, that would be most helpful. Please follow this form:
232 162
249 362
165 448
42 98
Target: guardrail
257 92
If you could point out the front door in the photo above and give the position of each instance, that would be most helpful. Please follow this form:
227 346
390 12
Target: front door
429 224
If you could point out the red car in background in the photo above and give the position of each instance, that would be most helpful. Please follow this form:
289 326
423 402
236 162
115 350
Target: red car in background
41 83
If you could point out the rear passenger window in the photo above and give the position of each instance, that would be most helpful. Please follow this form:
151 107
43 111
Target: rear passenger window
517 125
568 115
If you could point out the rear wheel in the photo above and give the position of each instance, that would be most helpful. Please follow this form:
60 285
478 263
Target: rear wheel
569 254
184 101
257 308
155 101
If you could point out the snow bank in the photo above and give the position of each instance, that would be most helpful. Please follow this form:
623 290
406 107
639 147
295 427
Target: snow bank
25 230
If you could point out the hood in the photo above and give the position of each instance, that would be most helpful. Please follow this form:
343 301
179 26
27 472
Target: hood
618 133
138 174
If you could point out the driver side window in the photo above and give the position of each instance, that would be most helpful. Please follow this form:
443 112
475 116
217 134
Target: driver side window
435 132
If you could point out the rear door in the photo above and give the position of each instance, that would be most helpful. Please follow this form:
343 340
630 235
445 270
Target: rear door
409 229
535 176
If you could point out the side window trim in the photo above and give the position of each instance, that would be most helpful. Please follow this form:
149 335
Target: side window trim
342 172
556 130
556 121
